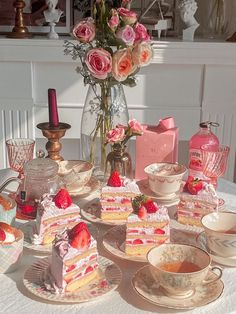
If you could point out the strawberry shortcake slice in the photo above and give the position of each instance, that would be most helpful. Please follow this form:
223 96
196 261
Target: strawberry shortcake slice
147 227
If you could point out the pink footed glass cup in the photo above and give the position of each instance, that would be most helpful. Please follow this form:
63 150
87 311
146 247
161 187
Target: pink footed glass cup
20 151
214 162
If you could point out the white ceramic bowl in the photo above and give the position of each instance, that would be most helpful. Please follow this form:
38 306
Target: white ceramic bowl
75 173
220 230
165 178
10 254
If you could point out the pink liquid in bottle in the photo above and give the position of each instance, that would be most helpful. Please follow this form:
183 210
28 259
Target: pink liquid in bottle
203 137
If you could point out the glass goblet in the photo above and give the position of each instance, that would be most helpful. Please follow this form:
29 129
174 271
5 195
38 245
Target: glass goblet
214 162
20 151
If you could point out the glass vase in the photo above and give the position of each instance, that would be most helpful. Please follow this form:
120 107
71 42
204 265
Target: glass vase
119 160
105 107
217 19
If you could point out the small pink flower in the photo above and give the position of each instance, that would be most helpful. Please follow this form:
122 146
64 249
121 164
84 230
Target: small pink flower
84 31
114 20
99 62
135 126
115 135
122 64
141 33
142 54
127 16
127 34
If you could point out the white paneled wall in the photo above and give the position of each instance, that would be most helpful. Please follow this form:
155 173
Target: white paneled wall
189 81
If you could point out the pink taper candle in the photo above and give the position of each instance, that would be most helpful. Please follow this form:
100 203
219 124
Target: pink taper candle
52 107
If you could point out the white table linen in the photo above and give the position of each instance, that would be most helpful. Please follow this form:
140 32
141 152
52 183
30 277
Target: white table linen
15 298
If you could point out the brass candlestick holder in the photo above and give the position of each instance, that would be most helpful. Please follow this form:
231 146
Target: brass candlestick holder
19 30
53 134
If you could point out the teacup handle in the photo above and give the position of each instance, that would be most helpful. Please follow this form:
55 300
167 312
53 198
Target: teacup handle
207 281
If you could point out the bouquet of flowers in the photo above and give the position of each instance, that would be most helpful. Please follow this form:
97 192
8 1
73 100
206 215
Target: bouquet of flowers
112 47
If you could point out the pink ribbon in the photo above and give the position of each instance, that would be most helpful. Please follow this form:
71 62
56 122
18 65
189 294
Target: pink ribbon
166 123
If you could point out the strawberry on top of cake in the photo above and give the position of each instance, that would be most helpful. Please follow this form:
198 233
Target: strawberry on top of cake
147 227
116 197
74 260
55 212
198 198
7 233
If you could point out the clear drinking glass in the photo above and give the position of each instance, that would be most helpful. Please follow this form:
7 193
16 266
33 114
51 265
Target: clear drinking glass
214 162
20 151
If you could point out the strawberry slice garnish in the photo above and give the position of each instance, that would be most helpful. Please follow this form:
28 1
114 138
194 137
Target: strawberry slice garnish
63 199
114 179
2 235
194 186
82 240
70 268
159 231
142 213
77 229
150 206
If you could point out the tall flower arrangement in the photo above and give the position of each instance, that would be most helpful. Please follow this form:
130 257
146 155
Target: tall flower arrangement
112 46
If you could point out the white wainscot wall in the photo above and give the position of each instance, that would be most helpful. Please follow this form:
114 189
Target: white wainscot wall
190 81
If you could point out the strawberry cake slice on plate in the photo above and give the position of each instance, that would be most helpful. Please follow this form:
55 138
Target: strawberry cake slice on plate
116 197
198 199
54 214
74 261
147 227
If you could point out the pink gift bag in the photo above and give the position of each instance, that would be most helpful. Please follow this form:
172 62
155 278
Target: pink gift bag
157 144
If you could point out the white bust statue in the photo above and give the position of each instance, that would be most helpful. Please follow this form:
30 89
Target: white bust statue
52 15
187 10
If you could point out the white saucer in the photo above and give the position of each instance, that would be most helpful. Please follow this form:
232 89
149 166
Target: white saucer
91 212
28 228
109 278
92 186
168 200
226 261
144 284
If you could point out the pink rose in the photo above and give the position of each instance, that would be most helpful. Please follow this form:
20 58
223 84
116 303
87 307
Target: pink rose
84 31
127 16
135 126
141 33
122 64
126 34
115 135
114 20
142 54
99 62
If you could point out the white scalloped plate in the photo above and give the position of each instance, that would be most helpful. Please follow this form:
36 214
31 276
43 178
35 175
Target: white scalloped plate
91 211
27 229
109 278
145 286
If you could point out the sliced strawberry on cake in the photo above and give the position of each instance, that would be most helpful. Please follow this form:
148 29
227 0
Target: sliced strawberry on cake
147 227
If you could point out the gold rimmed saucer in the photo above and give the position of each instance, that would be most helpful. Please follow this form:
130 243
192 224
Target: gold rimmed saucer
108 279
226 261
168 200
144 284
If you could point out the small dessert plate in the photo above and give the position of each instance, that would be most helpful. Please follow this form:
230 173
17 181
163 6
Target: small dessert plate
108 279
28 230
91 187
92 212
144 284
113 242
226 261
168 200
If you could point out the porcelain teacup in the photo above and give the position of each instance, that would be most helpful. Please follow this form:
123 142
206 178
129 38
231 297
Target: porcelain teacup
220 231
180 268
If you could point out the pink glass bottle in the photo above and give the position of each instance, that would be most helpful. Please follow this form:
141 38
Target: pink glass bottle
203 137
